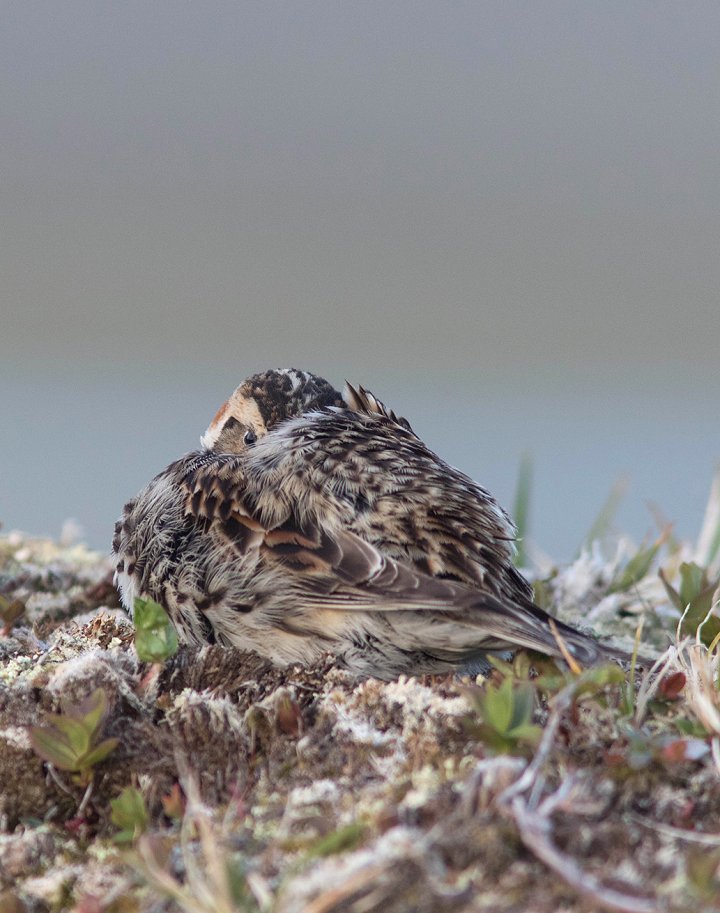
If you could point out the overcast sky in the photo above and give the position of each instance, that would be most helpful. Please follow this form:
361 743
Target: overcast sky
503 217
346 186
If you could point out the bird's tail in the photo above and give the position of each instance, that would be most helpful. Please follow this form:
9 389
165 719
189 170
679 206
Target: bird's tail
583 648
525 624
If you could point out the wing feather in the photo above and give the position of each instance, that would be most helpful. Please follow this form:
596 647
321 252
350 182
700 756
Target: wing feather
332 568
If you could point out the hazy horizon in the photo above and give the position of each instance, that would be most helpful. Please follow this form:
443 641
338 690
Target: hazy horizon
509 200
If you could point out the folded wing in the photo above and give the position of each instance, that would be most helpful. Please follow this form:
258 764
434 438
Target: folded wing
333 569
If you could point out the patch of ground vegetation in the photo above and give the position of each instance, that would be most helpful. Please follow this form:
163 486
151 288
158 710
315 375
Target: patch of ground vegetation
210 781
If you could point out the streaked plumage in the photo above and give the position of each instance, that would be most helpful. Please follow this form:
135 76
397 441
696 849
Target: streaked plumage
309 523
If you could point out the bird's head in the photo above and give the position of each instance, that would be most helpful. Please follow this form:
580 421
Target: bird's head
263 401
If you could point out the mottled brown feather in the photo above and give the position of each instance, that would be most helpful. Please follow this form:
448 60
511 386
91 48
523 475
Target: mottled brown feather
333 526
350 573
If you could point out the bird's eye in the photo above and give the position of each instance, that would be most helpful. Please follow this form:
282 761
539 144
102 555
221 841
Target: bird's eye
249 437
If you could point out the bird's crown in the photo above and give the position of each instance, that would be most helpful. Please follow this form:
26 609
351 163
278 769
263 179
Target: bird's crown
263 401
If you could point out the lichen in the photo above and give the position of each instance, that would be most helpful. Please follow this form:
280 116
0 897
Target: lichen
306 789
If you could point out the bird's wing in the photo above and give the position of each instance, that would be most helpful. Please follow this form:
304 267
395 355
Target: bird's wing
333 569
395 492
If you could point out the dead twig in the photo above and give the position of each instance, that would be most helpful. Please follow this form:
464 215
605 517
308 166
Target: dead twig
677 833
650 681
55 777
360 882
85 798
534 831
531 775
523 801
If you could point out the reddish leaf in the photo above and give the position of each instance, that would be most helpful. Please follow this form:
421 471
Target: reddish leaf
289 716
680 750
671 685
173 803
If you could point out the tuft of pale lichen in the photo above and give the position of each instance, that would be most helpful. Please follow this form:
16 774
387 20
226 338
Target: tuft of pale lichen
297 789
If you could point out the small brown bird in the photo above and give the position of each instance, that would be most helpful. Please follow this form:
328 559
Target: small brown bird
312 522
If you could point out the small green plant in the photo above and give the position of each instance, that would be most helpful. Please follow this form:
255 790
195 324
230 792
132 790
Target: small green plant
10 612
709 541
694 600
343 839
155 637
543 593
506 713
628 688
638 566
702 875
215 878
604 519
527 667
593 682
70 740
130 814
521 511
596 679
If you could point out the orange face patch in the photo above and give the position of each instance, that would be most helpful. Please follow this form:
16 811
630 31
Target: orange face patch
220 414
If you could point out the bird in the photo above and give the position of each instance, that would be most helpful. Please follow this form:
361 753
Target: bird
312 521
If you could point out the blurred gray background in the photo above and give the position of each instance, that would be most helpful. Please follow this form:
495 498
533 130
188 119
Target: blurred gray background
503 218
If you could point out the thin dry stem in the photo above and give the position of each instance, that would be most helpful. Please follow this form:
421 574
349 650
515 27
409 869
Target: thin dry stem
533 819
330 899
567 656
207 887
650 681
677 833
535 832
701 692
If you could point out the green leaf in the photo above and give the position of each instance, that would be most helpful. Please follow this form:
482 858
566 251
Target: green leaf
521 666
503 667
53 748
521 511
694 601
508 707
497 706
130 814
506 712
597 678
339 841
698 614
74 732
607 513
689 727
10 611
693 581
92 711
672 592
522 706
155 637
236 869
528 732
100 752
68 741
637 567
